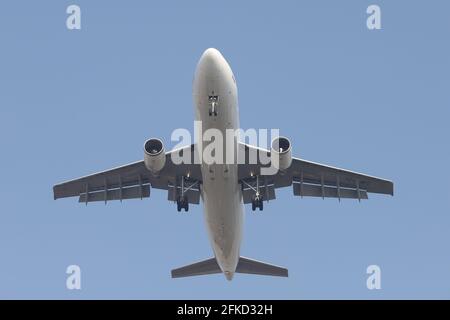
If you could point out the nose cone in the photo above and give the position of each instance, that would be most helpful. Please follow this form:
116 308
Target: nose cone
211 54
211 60
213 74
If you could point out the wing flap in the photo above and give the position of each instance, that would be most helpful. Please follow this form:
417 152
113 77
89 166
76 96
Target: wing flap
311 190
137 192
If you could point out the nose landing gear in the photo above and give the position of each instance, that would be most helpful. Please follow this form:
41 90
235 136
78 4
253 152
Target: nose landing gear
213 103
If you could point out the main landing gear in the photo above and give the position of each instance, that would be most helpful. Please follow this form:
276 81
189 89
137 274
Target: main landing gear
257 202
182 203
182 191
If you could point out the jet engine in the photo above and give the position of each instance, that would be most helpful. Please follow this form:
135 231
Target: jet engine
281 153
154 155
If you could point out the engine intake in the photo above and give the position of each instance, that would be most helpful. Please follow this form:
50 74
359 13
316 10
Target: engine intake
281 153
154 155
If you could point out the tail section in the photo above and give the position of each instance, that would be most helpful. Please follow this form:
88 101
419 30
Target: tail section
245 265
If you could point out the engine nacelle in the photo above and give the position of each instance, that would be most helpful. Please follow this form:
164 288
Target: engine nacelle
154 155
281 153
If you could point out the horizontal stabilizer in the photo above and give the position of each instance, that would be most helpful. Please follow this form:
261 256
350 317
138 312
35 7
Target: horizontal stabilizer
246 265
208 266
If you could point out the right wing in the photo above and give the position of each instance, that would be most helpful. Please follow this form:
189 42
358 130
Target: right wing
336 182
133 181
308 179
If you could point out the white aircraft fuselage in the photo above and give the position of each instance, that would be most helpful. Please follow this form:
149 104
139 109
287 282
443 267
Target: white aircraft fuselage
221 192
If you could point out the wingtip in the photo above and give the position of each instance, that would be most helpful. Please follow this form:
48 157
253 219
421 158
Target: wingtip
55 197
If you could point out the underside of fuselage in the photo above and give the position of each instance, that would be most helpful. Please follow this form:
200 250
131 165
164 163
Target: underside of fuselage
215 103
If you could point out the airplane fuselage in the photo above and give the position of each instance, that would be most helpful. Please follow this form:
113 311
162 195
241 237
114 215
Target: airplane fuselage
216 106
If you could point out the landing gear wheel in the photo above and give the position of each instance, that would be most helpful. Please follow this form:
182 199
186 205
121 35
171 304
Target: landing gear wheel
257 202
182 203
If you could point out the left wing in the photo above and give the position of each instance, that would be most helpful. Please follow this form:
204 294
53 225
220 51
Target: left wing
133 181
308 179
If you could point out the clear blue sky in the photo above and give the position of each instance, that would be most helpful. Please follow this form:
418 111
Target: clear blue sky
77 102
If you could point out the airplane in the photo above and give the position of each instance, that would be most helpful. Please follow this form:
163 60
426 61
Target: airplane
224 188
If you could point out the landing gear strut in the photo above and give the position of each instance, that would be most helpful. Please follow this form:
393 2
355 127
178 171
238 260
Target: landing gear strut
213 102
